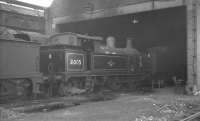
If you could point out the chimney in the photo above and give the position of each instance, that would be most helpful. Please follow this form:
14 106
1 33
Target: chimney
110 42
129 42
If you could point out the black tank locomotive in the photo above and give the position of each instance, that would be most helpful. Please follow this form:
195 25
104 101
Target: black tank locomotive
74 63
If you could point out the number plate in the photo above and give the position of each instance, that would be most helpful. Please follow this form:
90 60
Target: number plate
75 62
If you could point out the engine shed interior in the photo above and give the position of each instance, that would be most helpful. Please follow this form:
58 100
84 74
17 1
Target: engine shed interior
104 60
159 31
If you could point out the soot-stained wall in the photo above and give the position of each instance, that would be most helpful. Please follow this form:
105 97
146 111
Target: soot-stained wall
167 26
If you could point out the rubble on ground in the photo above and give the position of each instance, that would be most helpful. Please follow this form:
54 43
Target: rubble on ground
9 115
175 111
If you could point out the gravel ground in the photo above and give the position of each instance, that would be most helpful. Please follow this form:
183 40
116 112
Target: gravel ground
8 115
161 105
122 109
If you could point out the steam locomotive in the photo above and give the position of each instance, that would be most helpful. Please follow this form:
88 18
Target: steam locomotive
82 62
69 63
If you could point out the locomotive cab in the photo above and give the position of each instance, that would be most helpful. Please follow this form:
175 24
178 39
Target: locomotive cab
65 56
